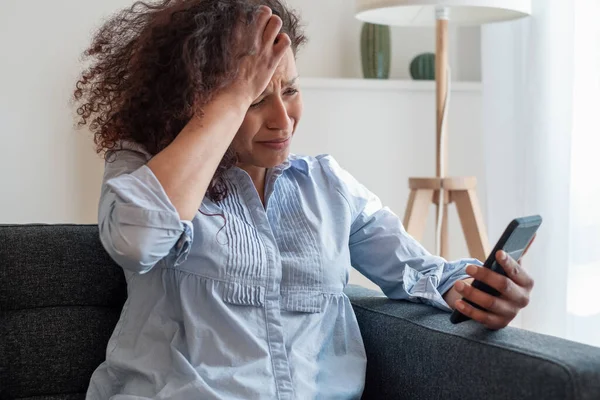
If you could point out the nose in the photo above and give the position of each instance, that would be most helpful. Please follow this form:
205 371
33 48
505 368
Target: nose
278 118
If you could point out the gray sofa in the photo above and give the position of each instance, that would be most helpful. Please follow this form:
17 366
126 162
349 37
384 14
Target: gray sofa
60 297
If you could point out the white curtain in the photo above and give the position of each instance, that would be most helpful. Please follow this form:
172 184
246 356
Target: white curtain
541 102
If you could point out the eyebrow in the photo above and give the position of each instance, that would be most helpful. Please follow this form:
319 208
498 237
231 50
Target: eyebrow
291 81
286 84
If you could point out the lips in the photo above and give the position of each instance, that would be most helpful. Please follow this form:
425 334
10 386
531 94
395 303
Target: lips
276 144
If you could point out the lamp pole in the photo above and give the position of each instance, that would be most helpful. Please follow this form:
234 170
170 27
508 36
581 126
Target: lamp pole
441 77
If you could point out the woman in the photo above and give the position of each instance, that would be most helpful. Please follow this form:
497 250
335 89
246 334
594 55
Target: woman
235 252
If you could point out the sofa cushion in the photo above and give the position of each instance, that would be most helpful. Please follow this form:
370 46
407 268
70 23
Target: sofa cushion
415 352
61 296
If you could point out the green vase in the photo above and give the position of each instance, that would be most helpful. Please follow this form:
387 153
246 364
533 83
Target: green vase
375 48
422 68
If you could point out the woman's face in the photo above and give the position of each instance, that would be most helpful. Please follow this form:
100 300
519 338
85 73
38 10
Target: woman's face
266 134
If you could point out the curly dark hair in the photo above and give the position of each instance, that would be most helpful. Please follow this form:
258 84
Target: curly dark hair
154 66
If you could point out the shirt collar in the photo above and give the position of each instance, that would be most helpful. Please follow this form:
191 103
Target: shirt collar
296 162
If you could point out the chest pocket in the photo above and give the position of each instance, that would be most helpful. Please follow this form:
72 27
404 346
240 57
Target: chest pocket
296 236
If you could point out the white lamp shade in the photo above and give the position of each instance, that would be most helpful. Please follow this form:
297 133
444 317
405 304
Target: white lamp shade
423 12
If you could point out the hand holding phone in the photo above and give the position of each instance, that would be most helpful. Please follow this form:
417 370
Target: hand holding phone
491 278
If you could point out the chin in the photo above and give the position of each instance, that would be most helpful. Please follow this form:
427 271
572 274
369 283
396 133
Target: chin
273 160
278 160
263 158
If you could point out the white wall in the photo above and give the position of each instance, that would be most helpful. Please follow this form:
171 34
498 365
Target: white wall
49 172
334 47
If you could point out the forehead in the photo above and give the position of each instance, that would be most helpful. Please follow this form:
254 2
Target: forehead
286 68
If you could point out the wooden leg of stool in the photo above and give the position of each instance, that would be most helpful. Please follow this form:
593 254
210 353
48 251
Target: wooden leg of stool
471 220
417 209
444 248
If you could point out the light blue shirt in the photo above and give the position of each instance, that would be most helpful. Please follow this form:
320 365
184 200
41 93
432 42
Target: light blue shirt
251 305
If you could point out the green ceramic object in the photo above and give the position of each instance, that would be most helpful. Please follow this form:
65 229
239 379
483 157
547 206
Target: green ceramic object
375 48
423 67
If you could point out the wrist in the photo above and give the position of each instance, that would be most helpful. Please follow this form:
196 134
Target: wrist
224 112
234 98
223 107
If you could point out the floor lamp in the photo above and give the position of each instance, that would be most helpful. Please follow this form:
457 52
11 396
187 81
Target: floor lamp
442 190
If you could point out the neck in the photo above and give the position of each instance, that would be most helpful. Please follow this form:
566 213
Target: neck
258 175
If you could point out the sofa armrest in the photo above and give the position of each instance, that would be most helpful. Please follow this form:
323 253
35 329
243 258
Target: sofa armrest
414 352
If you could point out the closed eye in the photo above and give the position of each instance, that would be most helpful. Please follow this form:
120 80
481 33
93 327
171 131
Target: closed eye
255 105
289 92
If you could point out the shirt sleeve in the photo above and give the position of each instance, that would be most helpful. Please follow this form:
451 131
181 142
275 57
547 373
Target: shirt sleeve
139 226
382 250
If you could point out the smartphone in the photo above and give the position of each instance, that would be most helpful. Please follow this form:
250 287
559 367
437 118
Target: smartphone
514 241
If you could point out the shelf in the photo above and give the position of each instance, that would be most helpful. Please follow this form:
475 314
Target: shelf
381 84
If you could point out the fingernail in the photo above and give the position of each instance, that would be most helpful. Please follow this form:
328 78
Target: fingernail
503 255
460 305
460 286
471 269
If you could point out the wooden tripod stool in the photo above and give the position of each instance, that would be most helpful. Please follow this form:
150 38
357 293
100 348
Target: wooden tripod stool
461 191
424 191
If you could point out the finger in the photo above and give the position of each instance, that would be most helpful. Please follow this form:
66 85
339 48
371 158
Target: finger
490 321
514 270
282 43
492 304
263 17
254 32
497 281
264 14
508 289
272 30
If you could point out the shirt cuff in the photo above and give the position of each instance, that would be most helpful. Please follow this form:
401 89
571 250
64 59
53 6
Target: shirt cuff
184 244
422 287
430 288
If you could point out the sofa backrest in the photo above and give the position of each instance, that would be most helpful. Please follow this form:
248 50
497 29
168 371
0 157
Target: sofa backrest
60 298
